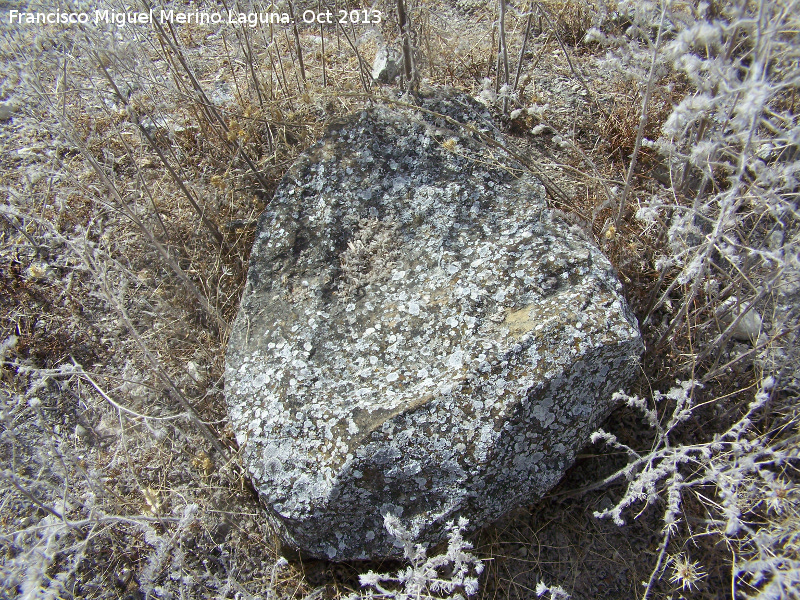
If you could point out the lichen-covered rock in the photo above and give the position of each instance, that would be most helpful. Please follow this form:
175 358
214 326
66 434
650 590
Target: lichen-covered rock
419 335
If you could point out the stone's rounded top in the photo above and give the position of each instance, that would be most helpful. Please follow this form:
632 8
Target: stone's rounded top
413 320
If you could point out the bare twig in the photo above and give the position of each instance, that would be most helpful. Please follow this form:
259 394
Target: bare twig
642 118
409 70
522 50
503 53
298 48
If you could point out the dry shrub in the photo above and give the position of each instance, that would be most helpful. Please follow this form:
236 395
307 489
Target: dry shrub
619 127
572 19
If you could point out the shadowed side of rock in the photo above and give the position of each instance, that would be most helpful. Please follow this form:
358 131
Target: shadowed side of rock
419 335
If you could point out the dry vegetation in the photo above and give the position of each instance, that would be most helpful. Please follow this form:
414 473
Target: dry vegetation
136 161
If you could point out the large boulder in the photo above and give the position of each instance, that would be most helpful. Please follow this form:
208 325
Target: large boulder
419 335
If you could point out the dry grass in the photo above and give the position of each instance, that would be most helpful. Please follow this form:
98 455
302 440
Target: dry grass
134 175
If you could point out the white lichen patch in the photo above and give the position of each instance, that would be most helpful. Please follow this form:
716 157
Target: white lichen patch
454 345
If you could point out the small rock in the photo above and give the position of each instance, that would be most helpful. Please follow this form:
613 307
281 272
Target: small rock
81 432
194 371
387 65
8 109
749 326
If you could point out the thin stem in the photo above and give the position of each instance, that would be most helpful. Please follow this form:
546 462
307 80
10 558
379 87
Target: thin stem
642 118
522 50
322 37
408 57
662 552
298 49
504 53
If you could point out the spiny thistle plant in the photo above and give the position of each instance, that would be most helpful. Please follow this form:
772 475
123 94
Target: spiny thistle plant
443 576
742 478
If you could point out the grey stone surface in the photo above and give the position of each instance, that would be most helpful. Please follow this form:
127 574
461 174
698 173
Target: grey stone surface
419 335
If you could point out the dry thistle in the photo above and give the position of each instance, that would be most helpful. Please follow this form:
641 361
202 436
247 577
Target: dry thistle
686 572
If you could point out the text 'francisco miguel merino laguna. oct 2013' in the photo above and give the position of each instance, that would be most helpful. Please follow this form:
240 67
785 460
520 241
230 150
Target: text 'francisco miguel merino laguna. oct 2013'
196 17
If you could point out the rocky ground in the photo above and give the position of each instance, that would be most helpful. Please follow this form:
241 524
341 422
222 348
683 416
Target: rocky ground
129 208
